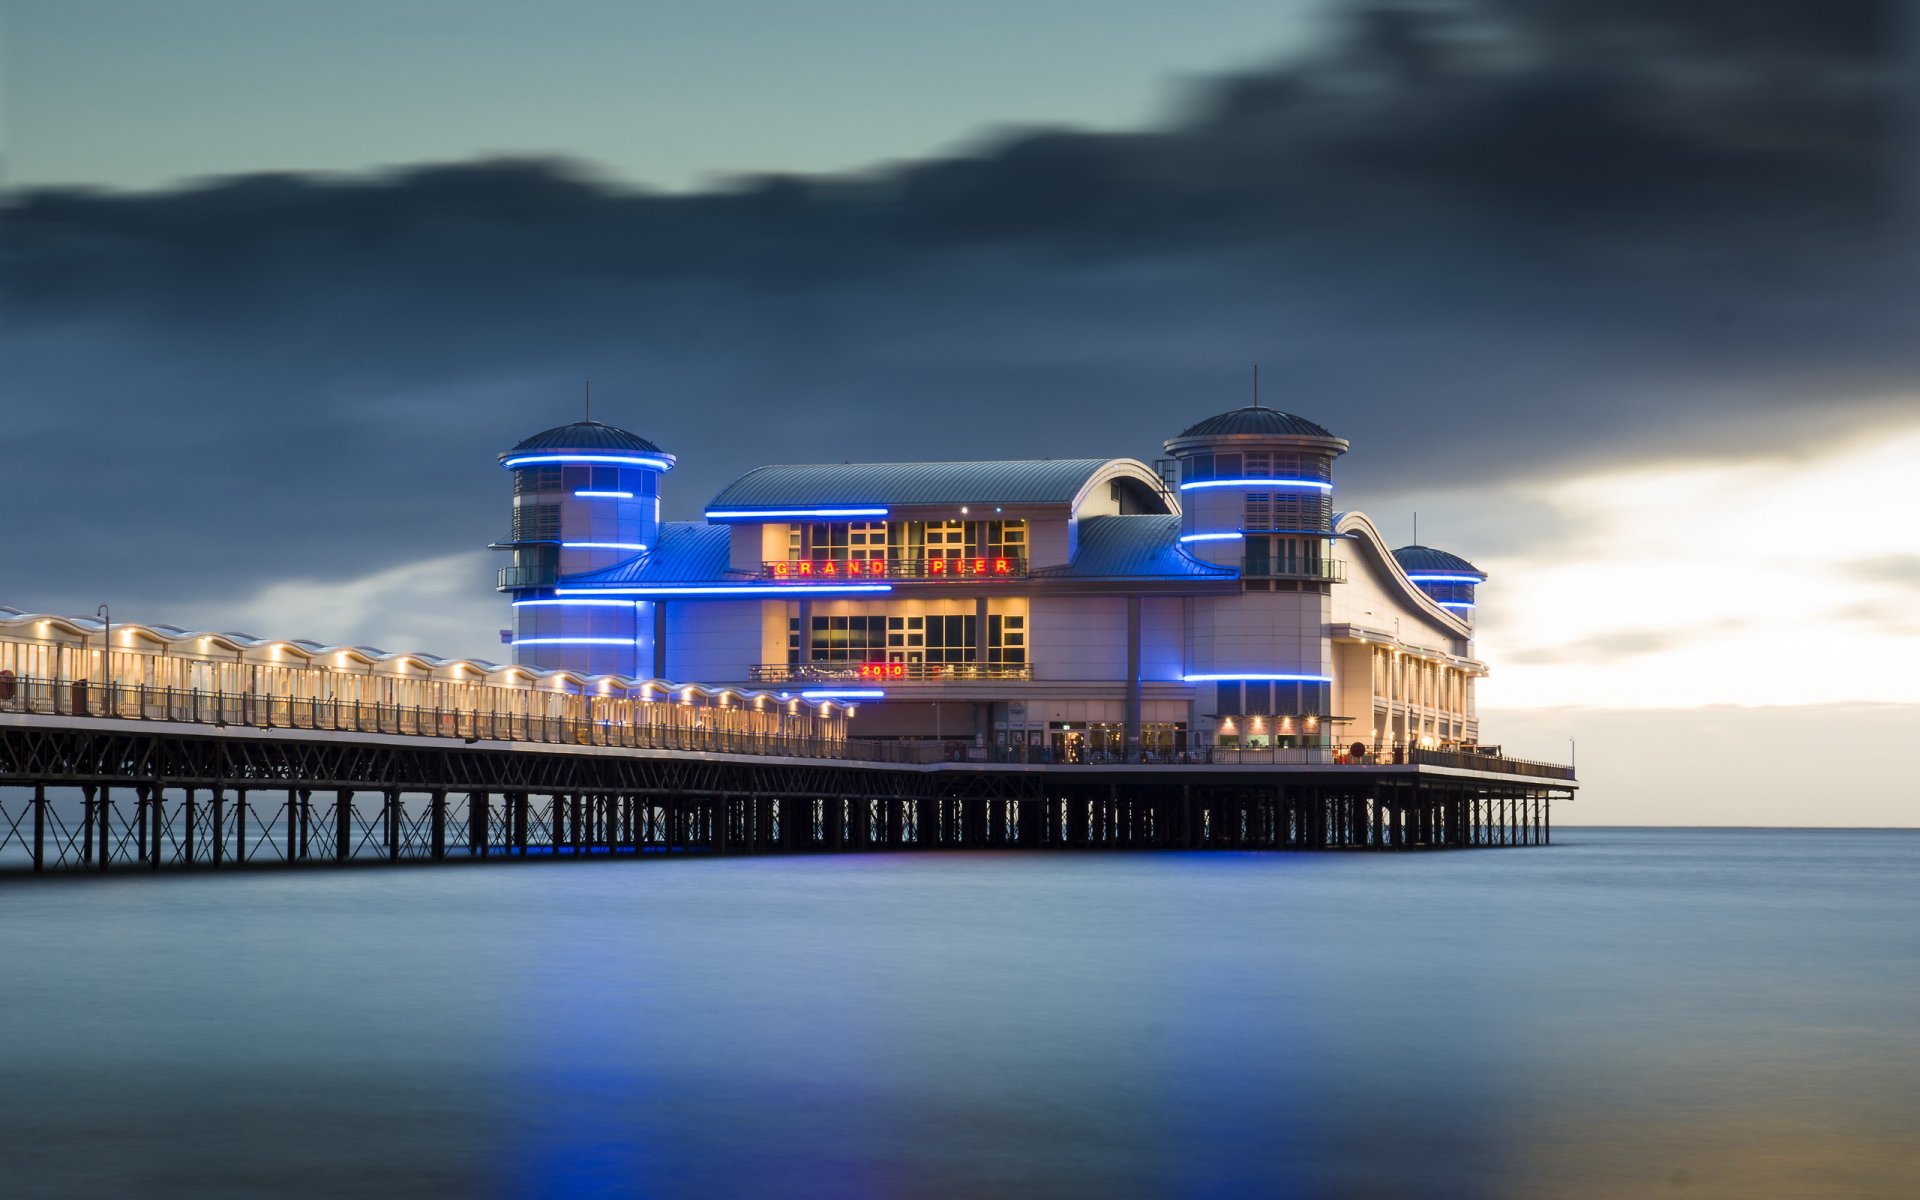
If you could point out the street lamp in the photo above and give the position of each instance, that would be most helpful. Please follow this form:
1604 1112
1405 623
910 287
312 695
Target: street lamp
106 650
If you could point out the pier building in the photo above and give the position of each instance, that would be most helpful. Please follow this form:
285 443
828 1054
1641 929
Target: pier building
1050 610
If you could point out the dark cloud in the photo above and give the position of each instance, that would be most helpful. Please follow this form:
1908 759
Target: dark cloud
1480 239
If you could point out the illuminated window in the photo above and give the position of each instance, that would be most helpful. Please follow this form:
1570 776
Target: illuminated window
946 539
847 639
1006 640
866 540
1007 539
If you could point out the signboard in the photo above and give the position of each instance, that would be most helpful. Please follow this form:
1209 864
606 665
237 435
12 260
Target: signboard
814 569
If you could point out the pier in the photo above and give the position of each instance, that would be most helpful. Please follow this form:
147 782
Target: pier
220 781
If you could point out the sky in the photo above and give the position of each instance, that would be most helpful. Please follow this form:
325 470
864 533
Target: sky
1619 297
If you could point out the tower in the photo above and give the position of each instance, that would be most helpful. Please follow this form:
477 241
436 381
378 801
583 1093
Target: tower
585 496
1447 579
1256 494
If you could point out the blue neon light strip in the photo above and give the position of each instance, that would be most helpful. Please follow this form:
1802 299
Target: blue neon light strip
1212 537
576 641
748 514
573 603
844 694
606 495
1448 578
603 545
778 589
1257 677
624 460
1299 483
1454 603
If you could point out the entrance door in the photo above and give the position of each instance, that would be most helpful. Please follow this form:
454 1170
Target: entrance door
1069 745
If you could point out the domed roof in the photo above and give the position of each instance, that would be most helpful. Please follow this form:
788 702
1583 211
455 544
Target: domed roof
1425 559
585 435
1254 420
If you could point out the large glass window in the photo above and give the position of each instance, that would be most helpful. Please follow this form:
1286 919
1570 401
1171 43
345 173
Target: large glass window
1006 539
848 639
827 541
1282 555
1006 640
1270 698
946 539
867 540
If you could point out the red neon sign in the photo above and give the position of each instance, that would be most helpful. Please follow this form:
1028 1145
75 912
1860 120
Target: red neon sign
887 568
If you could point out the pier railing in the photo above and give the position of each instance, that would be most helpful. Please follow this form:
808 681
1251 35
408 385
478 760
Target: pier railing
609 721
935 750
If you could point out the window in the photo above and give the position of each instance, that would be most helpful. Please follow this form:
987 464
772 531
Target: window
1006 539
1006 640
946 539
827 541
536 522
1303 511
1269 698
867 540
1282 555
847 639
528 480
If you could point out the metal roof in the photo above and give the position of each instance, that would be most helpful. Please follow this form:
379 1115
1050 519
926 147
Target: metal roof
684 552
1426 558
1254 420
585 435
1033 481
1133 547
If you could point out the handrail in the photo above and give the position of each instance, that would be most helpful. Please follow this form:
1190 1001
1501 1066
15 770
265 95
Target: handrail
616 721
884 672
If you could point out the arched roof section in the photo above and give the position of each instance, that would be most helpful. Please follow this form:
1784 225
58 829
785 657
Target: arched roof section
1360 531
878 485
1149 490
50 627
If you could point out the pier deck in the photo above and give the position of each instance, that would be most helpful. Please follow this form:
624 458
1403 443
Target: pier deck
166 794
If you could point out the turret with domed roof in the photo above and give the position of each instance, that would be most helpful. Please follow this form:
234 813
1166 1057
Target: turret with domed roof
586 495
1256 471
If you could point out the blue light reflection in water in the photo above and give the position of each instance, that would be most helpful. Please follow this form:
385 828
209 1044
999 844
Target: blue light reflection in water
1624 1014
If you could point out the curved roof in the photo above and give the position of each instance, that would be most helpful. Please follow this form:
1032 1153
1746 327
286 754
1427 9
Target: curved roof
1032 481
585 435
1256 421
1133 547
683 552
437 666
1426 558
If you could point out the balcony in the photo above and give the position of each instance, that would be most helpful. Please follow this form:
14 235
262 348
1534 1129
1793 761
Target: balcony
526 577
1327 570
886 672
991 569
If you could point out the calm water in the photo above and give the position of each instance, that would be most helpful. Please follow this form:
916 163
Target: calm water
1626 1013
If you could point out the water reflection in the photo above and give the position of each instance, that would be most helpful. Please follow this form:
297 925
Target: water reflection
1623 1014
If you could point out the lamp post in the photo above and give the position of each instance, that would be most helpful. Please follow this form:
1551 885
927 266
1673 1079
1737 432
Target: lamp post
106 655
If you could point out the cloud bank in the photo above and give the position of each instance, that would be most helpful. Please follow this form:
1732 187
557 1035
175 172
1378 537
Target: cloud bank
1490 242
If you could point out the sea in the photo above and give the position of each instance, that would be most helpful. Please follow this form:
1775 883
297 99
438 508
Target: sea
1624 1013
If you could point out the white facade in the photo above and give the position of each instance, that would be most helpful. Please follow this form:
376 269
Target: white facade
1074 608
